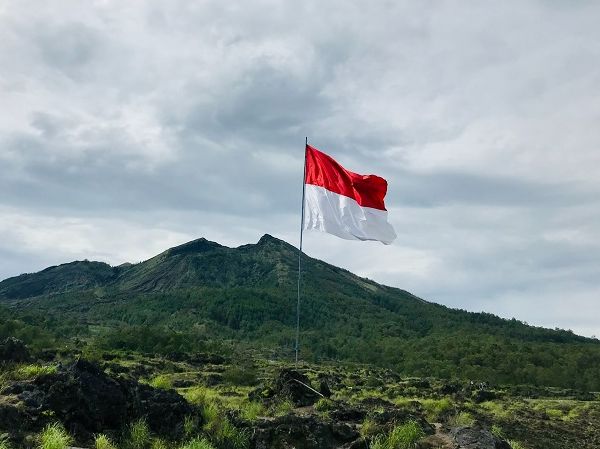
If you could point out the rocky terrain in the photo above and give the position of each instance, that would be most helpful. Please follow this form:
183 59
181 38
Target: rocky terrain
248 400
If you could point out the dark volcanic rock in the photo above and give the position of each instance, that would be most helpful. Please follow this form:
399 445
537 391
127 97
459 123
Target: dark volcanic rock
296 387
14 350
301 432
86 400
475 438
484 395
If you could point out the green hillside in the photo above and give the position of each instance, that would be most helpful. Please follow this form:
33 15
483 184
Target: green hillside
204 295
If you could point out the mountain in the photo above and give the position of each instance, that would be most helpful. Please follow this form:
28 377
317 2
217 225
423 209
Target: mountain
204 295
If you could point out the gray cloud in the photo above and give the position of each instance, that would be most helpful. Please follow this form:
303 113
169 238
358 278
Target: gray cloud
175 120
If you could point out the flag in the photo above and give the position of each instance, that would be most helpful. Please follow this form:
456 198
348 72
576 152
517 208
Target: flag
343 203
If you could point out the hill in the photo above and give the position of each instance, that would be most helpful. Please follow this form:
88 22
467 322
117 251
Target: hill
204 295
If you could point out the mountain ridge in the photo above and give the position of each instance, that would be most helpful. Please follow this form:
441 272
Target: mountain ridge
201 293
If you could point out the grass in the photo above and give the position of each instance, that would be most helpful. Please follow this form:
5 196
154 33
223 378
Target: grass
4 443
404 436
197 443
138 435
282 408
190 426
159 443
101 441
515 445
161 381
497 431
27 372
54 436
461 419
251 411
324 405
369 428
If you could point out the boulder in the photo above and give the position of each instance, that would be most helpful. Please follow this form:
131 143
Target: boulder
477 438
296 387
87 400
301 432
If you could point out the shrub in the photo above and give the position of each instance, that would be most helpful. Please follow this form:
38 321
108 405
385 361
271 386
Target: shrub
138 436
461 419
54 436
240 376
101 441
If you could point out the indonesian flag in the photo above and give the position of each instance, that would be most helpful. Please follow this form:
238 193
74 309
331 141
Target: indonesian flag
344 203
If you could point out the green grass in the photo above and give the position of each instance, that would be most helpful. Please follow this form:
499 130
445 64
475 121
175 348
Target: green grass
404 436
190 426
252 411
461 419
161 381
27 372
159 443
101 441
497 431
515 445
4 443
54 436
197 443
138 435
281 408
324 405
369 428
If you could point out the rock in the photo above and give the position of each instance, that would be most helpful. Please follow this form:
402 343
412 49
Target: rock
87 401
296 387
483 396
301 432
14 350
476 438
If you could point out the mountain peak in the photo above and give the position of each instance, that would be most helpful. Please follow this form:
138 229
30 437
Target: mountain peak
200 245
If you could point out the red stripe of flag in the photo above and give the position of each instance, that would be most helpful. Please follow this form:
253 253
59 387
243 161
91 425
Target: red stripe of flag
322 170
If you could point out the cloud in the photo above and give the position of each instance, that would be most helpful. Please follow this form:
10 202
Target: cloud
125 123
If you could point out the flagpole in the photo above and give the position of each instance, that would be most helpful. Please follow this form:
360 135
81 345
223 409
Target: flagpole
300 254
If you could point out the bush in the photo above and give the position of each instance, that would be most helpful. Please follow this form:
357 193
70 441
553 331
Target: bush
138 435
240 376
54 436
101 441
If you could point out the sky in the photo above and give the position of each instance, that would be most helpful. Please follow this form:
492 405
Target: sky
130 127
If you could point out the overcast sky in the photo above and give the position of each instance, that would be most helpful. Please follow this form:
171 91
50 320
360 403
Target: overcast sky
127 127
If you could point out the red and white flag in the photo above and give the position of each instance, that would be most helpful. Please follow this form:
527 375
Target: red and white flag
344 203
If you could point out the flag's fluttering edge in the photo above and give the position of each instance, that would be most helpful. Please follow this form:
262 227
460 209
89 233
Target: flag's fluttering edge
344 203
